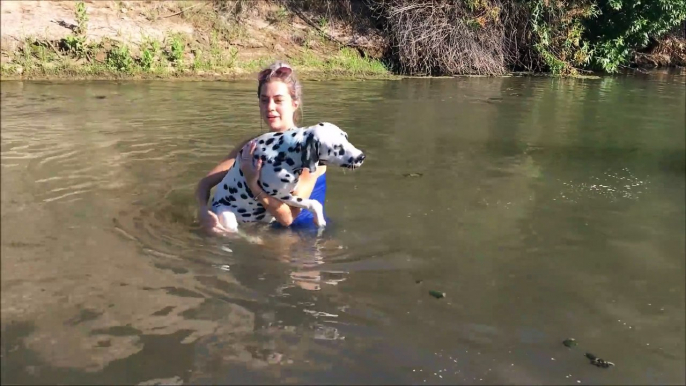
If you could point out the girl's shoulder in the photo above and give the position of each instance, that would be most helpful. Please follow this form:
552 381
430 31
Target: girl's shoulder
321 170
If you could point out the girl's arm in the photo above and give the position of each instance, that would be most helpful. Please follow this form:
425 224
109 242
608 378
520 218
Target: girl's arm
208 220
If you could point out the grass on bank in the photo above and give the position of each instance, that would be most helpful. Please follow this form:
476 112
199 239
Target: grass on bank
176 56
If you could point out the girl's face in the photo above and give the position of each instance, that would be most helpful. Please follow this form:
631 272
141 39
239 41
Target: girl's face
277 107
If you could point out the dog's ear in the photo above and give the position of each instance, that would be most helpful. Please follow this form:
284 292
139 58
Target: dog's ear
310 153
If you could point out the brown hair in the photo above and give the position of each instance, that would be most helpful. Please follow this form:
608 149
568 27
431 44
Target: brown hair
283 72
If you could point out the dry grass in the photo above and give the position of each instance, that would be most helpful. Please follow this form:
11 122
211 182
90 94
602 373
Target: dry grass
435 37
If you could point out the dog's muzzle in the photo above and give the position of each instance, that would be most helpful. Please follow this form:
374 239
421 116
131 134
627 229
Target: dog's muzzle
357 162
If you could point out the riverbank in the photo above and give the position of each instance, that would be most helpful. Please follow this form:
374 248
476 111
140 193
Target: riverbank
176 40
234 39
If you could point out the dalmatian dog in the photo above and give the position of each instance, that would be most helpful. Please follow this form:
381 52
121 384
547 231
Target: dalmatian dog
284 156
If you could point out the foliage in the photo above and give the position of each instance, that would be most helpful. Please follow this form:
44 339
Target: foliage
119 59
624 26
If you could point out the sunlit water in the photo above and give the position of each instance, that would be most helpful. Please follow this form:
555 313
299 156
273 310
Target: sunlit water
544 208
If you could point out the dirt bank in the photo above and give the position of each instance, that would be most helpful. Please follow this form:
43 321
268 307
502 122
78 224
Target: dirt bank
228 39
187 39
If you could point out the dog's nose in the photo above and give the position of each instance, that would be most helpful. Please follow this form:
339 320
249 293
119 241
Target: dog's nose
361 157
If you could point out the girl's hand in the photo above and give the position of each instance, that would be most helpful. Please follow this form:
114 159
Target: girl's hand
250 168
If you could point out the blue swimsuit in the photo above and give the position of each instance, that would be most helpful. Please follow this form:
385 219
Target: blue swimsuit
305 219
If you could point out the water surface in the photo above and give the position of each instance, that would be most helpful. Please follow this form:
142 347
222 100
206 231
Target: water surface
544 208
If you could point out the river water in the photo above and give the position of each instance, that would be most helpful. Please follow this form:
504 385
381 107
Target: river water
544 209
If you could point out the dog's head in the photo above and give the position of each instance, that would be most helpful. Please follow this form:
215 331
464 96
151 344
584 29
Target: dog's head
327 144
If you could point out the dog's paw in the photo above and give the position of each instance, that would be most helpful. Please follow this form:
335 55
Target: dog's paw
319 222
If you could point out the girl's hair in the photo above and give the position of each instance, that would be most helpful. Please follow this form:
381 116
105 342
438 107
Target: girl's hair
283 72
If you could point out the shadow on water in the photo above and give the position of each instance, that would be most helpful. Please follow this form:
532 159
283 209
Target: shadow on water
543 208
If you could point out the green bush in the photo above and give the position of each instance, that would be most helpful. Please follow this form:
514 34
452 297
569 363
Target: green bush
624 26
119 59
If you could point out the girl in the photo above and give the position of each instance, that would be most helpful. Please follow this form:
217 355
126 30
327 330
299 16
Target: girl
280 95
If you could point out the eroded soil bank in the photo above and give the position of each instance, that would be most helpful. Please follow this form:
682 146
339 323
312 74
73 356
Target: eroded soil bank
178 39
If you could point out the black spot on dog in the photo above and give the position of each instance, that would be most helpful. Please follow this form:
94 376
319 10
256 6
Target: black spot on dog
240 185
276 147
299 199
278 134
246 215
231 198
241 210
341 152
285 180
247 190
260 217
264 184
290 162
281 156
293 135
259 210
274 191
261 141
277 163
256 156
244 196
263 157
329 151
269 141
285 197
226 187
350 160
321 124
291 149
241 172
277 169
233 190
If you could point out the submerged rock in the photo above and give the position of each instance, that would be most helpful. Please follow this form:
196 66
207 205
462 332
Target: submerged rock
598 361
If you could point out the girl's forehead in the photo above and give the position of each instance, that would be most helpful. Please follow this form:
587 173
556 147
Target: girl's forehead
275 88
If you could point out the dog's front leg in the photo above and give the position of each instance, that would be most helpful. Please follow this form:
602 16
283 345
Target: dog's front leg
312 205
228 220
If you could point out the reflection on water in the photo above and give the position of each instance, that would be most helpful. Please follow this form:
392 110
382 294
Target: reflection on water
543 208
